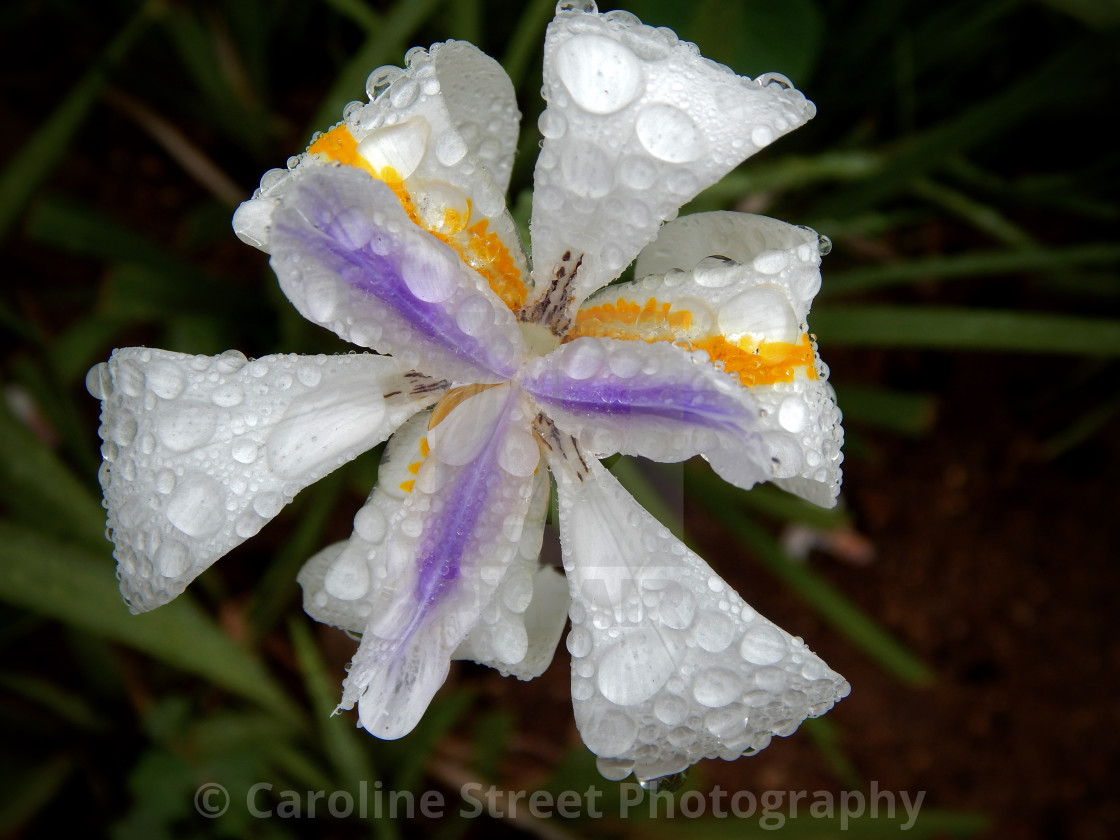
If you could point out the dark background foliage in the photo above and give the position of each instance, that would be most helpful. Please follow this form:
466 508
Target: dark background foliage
965 165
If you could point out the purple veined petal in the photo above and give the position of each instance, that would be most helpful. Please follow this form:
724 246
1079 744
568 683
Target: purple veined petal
442 132
746 308
201 451
669 664
654 400
637 124
520 627
447 542
349 259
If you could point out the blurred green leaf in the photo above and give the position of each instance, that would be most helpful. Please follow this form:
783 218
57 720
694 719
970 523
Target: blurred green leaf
38 157
970 266
385 45
34 790
37 488
70 585
966 329
898 411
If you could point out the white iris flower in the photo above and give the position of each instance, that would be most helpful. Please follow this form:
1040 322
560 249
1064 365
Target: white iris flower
391 230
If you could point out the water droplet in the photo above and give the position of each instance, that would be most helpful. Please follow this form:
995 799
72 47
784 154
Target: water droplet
669 134
763 645
403 92
430 275
609 734
714 632
824 245
614 769
230 361
96 379
166 380
450 148
187 427
793 413
379 80
520 454
400 147
268 504
635 668
442 207
602 75
771 262
474 316
552 124
717 687
579 642
196 507
762 312
585 6
227 396
171 559
665 784
774 80
623 18
586 170
370 524
165 481
129 378
582 359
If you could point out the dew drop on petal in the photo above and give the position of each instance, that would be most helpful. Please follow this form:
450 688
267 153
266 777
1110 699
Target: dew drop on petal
520 454
610 733
762 312
634 668
717 687
429 275
96 379
714 631
669 134
166 380
171 558
196 507
348 577
670 709
450 148
793 414
583 359
188 427
614 769
579 642
267 505
370 524
602 75
763 645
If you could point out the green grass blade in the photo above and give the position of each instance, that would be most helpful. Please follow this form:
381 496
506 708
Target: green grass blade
969 266
35 790
71 585
38 488
526 39
950 328
385 45
34 162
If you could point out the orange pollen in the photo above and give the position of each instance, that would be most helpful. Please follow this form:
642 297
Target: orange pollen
477 247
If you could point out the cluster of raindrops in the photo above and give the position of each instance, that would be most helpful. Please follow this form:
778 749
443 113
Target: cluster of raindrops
225 443
446 122
634 127
669 664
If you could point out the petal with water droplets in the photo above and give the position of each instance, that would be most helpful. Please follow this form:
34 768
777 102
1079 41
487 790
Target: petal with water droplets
201 451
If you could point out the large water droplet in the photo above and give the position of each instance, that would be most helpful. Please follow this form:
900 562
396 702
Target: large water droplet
188 426
602 75
586 6
669 134
763 645
197 508
762 312
171 559
348 577
717 687
635 668
379 80
166 380
400 147
370 524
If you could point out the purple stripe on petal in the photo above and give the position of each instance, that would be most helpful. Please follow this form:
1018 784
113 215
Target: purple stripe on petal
683 402
654 400
339 231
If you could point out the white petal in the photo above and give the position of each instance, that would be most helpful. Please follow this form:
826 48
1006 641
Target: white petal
637 124
669 665
524 619
200 452
445 549
747 309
